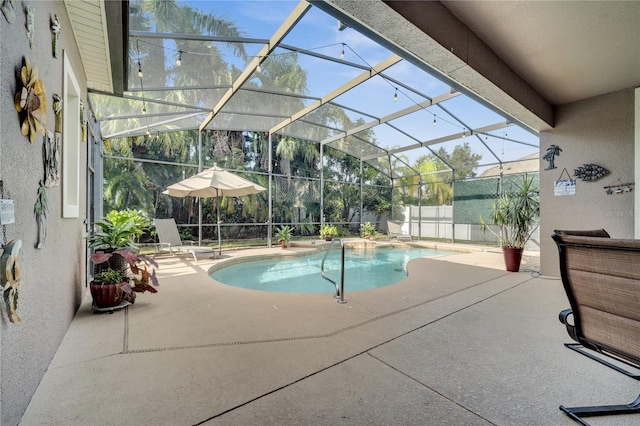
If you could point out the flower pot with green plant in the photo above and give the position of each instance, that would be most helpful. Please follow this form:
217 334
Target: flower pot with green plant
116 250
118 230
108 287
284 234
516 213
327 232
367 230
139 275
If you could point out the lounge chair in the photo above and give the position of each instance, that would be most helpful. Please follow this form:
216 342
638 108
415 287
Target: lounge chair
601 277
169 238
395 231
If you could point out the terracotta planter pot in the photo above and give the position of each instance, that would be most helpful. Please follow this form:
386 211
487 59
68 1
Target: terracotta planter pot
107 295
512 258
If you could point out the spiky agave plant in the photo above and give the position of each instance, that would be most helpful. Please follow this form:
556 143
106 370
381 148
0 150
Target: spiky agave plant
516 213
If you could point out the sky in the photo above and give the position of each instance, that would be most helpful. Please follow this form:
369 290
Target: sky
318 32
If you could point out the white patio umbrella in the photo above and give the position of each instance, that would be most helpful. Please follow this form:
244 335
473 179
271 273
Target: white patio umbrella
213 182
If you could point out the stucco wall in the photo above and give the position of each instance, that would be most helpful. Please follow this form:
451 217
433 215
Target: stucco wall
52 277
598 130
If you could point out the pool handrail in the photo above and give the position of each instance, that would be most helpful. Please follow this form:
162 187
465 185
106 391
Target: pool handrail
339 288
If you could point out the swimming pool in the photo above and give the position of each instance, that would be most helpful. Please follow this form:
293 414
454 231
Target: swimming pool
364 269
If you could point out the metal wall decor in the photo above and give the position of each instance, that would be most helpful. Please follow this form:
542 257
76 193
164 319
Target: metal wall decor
11 274
55 33
8 10
31 102
590 172
7 212
83 123
619 188
51 157
57 110
550 155
40 209
30 25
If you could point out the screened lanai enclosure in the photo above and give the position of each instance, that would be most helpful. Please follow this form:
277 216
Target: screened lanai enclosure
337 124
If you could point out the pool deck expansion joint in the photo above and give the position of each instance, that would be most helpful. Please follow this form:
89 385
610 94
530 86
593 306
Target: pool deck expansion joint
330 334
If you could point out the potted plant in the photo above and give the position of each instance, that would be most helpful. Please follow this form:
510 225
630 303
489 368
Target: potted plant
137 276
516 214
113 236
367 230
284 235
139 219
107 288
328 232
118 230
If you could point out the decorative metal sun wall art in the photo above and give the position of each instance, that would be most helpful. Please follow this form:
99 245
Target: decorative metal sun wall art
31 102
590 172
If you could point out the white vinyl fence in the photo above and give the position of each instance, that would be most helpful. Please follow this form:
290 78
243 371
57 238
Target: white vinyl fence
437 222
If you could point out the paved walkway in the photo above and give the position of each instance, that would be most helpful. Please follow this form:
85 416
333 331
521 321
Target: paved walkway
459 342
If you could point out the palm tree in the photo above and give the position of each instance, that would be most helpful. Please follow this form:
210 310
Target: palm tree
164 16
437 190
309 153
282 73
126 187
286 150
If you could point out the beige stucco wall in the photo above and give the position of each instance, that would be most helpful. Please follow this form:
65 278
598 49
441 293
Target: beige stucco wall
598 130
52 277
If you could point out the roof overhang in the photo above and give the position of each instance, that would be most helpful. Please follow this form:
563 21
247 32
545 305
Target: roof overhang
434 39
100 29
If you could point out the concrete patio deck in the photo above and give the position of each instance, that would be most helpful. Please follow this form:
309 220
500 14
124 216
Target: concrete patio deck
459 342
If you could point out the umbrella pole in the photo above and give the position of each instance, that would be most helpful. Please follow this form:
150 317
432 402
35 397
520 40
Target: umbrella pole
199 199
199 221
219 236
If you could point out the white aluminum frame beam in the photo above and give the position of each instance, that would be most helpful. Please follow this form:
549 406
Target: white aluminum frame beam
277 37
390 61
393 116
442 139
131 132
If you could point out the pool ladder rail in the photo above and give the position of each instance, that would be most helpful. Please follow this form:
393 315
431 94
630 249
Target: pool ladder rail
339 288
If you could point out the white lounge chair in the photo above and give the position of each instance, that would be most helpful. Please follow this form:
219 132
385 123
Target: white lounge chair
169 238
395 231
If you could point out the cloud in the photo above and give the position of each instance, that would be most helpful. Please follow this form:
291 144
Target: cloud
261 16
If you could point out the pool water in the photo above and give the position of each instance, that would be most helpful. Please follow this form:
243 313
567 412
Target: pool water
364 269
